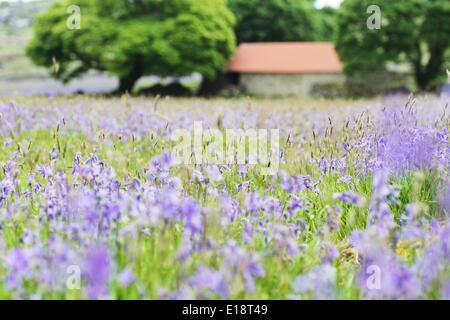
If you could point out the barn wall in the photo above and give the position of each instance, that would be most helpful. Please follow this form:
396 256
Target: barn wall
285 84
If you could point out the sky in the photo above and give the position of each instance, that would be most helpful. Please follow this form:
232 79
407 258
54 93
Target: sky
319 3
332 3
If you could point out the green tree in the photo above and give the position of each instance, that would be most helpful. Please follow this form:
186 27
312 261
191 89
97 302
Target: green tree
413 32
130 39
327 26
274 20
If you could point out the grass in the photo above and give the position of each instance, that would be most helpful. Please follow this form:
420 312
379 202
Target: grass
153 256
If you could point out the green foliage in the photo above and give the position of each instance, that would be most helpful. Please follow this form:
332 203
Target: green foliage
413 32
133 39
154 257
327 16
275 20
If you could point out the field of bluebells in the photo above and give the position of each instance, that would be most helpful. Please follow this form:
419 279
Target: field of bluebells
93 207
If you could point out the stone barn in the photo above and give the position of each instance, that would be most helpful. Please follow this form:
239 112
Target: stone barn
285 68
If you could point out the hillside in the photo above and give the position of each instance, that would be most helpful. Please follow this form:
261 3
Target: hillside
16 19
21 14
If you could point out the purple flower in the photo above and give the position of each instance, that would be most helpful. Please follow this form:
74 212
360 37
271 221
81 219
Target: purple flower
6 188
333 220
191 215
295 205
324 165
382 275
328 253
54 154
198 177
19 263
239 262
126 277
319 282
208 279
45 171
348 197
98 269
166 160
213 173
444 200
284 241
254 203
346 179
382 195
405 145
446 290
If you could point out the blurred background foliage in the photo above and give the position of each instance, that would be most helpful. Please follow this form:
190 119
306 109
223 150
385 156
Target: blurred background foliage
133 39
414 33
169 39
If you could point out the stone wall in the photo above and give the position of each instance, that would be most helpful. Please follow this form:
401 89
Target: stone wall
285 84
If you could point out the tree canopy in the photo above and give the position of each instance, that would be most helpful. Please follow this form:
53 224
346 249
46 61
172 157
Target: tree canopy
327 23
130 39
413 32
275 20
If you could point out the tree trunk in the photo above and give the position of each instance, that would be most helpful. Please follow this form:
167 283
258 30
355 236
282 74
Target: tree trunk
126 84
425 75
421 80
213 87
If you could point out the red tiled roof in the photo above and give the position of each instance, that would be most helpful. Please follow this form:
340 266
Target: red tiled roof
286 57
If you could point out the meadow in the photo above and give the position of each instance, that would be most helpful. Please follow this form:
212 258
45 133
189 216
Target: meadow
92 205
